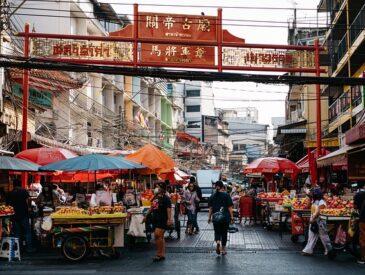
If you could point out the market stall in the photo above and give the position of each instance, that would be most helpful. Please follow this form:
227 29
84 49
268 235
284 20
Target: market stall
77 231
10 164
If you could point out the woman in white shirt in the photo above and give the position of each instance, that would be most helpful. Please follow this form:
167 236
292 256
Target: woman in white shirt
318 227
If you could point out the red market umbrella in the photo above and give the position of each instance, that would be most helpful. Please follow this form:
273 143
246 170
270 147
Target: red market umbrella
272 165
45 155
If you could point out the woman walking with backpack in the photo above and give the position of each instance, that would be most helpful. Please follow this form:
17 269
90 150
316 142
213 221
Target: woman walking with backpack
221 214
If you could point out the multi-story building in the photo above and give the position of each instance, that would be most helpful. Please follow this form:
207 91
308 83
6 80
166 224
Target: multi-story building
249 138
87 115
199 101
345 41
97 110
153 111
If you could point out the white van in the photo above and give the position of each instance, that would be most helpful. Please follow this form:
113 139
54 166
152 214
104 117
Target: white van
206 179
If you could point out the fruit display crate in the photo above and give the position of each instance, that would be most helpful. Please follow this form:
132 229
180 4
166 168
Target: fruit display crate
334 218
4 214
90 219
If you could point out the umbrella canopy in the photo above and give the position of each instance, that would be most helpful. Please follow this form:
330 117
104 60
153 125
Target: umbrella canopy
80 177
154 159
92 162
303 163
272 165
45 155
14 164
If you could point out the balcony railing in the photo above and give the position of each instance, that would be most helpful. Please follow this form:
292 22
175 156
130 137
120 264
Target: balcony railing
358 25
342 48
341 105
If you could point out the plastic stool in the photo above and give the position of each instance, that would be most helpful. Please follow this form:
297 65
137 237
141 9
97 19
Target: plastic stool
10 249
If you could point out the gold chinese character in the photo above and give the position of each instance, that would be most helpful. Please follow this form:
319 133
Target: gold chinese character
187 24
185 51
152 22
199 52
169 22
155 50
204 25
170 51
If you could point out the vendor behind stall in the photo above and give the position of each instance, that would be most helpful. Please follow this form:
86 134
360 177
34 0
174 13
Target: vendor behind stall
47 198
102 196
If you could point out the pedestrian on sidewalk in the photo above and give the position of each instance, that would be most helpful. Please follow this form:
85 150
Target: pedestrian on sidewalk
221 213
196 228
191 200
359 201
318 227
161 219
19 199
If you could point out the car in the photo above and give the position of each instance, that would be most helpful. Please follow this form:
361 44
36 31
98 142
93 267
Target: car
206 180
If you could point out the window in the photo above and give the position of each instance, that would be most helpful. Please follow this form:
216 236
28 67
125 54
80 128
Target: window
235 147
192 93
193 108
193 124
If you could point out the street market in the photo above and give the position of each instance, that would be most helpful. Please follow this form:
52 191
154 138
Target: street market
220 138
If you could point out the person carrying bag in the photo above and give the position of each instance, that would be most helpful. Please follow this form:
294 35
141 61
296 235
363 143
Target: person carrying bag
221 214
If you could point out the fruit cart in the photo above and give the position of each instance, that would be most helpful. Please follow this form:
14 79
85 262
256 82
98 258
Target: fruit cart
338 223
77 234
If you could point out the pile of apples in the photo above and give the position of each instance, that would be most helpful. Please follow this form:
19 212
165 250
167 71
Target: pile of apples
6 210
147 195
270 195
337 203
301 204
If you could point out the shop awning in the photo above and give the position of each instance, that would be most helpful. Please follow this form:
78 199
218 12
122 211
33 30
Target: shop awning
338 155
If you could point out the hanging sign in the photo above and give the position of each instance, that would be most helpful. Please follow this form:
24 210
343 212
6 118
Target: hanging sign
164 53
177 26
82 49
267 58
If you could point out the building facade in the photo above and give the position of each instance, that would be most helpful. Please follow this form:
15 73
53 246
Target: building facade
345 41
249 138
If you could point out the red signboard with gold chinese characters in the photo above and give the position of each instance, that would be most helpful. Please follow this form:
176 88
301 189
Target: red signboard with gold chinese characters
177 26
174 54
174 40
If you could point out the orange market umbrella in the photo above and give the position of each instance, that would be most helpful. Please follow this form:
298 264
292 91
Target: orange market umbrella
154 159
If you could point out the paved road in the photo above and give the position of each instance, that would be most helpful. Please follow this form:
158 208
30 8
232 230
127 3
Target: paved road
200 262
252 250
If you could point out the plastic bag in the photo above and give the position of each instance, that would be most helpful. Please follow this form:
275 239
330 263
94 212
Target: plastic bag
137 227
340 236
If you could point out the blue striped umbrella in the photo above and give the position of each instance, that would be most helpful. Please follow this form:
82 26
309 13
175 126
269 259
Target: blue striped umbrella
92 162
14 164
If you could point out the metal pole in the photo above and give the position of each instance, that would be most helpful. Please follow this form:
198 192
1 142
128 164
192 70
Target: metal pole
25 100
135 35
318 109
220 34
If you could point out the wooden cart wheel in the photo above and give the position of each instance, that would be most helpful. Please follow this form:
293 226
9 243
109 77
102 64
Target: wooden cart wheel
75 248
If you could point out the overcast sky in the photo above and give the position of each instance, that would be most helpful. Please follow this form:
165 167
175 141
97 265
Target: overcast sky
269 99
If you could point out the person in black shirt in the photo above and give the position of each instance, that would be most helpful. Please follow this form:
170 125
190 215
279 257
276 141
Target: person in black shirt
359 203
220 200
18 198
161 219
